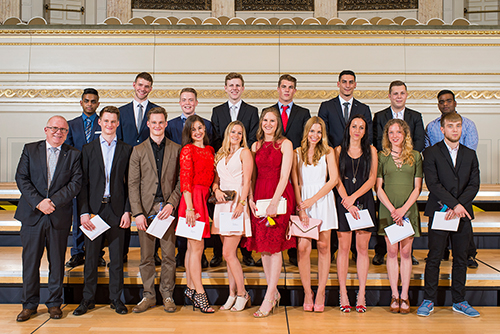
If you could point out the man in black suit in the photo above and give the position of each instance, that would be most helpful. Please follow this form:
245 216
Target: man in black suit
49 176
452 177
234 109
397 95
105 193
338 111
133 129
82 130
293 118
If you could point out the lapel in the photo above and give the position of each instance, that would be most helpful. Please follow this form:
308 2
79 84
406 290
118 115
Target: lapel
407 116
166 157
60 161
144 117
446 154
226 114
293 115
339 113
98 154
388 115
95 128
241 113
150 154
42 152
460 157
114 164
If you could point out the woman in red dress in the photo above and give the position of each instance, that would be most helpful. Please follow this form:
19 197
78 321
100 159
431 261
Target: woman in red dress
197 175
273 160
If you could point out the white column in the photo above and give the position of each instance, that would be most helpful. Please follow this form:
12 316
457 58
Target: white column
428 9
121 9
223 8
325 8
9 8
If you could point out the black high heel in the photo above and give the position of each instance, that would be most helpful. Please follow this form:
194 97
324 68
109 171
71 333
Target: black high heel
200 300
188 293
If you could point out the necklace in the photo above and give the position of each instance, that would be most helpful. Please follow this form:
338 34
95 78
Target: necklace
355 172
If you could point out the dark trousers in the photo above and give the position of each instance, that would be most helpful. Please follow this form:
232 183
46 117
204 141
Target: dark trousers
34 239
77 234
459 244
115 236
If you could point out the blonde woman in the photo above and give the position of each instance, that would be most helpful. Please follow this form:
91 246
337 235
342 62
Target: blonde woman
399 182
234 167
314 174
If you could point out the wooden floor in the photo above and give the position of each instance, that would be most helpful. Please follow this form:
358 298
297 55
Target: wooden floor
287 320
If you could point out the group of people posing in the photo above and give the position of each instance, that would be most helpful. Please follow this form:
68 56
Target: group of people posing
264 171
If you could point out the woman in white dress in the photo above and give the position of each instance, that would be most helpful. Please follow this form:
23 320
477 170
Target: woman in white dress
234 164
314 174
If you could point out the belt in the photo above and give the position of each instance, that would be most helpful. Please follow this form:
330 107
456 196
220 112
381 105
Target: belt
106 200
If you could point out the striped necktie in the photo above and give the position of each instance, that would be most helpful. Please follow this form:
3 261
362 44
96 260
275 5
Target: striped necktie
88 124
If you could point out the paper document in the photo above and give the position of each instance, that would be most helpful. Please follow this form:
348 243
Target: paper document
439 223
396 233
364 221
227 224
159 227
100 228
183 230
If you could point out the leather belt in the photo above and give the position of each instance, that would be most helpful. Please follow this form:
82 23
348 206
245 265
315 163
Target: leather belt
106 200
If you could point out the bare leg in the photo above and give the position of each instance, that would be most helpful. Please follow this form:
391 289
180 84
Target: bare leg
272 264
235 273
393 269
343 264
323 265
304 260
406 265
362 263
195 263
189 281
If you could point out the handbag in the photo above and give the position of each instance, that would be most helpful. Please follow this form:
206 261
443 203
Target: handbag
262 205
230 195
296 228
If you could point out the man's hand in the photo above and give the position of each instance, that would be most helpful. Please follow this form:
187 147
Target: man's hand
166 211
141 222
125 221
46 206
461 212
86 223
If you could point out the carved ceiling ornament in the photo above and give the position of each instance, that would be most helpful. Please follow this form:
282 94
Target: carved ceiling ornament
173 4
376 4
275 5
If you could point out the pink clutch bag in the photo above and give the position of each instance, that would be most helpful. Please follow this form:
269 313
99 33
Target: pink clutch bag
296 228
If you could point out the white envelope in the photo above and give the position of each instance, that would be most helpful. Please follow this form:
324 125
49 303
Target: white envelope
183 230
364 221
396 233
159 227
227 224
262 204
439 223
100 228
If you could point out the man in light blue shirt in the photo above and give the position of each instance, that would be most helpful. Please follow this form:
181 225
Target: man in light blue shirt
447 104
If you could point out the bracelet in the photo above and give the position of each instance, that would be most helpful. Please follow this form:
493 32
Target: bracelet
190 209
243 202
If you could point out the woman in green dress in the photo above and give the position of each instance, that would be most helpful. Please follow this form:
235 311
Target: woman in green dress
399 182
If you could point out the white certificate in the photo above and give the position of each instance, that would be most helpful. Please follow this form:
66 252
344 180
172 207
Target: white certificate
364 221
439 223
227 224
100 228
195 232
396 233
159 227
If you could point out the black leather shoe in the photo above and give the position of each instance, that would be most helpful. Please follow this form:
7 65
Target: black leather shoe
378 260
258 263
216 261
414 260
101 262
293 260
472 263
204 261
118 306
75 261
157 260
84 306
179 260
248 261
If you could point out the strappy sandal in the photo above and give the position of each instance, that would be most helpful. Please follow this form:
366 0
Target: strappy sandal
188 293
200 301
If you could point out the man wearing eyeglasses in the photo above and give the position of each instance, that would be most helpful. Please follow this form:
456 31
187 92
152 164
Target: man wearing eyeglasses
49 176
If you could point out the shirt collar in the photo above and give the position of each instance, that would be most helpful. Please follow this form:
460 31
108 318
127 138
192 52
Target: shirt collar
290 105
144 104
163 141
395 113
342 101
237 104
92 117
451 149
49 146
103 141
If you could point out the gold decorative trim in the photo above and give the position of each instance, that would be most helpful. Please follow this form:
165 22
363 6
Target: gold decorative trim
248 94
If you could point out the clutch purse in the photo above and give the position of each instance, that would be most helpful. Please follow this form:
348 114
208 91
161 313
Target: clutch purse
296 228
230 195
262 205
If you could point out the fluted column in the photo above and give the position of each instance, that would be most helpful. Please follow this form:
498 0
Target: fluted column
223 8
325 8
9 8
428 9
121 9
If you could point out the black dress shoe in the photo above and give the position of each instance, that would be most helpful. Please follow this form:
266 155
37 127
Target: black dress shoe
179 260
75 261
204 261
118 306
378 260
216 261
101 262
414 260
157 260
248 261
293 260
472 263
258 263
84 306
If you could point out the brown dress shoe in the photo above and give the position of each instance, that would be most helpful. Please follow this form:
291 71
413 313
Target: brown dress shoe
144 305
169 305
55 312
25 314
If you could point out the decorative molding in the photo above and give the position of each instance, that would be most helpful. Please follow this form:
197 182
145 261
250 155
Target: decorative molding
275 5
173 4
377 4
248 94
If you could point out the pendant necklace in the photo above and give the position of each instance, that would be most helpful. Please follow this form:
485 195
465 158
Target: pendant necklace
355 172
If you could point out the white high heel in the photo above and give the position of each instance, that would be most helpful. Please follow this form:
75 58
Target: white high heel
229 303
241 303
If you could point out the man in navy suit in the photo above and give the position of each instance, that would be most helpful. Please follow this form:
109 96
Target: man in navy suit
82 130
188 100
49 176
133 128
293 119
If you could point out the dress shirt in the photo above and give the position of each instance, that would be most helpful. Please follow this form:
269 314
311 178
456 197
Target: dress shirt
108 153
231 106
342 101
136 110
398 115
158 151
453 153
280 106
92 119
469 136
48 147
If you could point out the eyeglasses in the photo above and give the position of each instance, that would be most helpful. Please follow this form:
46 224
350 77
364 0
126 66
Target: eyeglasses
54 129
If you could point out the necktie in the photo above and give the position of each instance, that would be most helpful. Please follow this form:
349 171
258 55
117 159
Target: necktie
234 113
139 118
346 112
284 117
88 122
53 155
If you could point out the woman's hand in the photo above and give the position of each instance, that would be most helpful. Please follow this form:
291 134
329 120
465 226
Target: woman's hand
238 210
190 218
348 201
305 204
354 211
304 218
398 215
272 210
220 195
253 207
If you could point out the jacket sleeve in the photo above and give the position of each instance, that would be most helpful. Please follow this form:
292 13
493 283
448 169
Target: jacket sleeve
24 183
432 180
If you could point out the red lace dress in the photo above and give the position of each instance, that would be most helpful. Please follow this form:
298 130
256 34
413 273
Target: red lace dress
197 175
270 239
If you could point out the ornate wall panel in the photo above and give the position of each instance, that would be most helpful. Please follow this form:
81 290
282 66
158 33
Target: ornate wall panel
173 4
376 4
275 5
